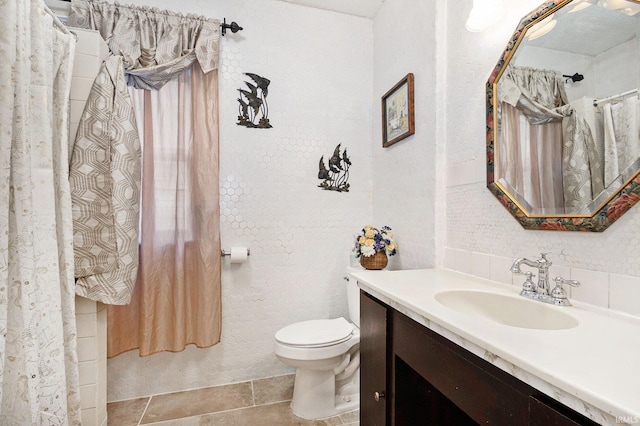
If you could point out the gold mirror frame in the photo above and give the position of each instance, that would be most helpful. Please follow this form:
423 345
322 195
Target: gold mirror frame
610 211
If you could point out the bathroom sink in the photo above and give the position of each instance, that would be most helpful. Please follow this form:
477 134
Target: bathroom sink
514 311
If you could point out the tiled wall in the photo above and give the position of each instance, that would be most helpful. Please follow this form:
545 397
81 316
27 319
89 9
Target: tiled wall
91 320
300 236
602 289
91 317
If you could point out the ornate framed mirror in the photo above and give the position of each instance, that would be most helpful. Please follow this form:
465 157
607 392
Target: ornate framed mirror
563 116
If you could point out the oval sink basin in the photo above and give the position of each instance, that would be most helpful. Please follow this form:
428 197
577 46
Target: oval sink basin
514 311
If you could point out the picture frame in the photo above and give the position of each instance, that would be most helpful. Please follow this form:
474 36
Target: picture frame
398 115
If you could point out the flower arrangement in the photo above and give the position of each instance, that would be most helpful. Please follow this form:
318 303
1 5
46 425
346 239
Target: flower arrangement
371 241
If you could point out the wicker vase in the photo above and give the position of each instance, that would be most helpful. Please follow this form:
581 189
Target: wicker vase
377 261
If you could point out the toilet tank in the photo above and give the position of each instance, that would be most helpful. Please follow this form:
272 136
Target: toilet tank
353 296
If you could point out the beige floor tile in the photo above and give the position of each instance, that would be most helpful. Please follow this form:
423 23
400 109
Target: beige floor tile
126 413
197 402
273 389
278 414
350 417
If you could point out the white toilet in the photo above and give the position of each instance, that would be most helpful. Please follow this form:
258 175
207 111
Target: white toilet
326 354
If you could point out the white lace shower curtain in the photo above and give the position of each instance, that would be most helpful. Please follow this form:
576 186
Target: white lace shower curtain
38 361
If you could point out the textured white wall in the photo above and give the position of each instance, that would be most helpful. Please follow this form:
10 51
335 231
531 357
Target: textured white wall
320 67
404 174
617 69
565 63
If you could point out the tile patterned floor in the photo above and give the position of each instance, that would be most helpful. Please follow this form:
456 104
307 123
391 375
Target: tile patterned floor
262 402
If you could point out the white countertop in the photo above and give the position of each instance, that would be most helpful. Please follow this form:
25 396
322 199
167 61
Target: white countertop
593 368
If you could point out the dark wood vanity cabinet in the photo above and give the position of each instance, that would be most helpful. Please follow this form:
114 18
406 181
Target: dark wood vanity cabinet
412 376
373 362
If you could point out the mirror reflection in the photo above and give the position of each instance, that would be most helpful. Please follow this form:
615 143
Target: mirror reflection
568 109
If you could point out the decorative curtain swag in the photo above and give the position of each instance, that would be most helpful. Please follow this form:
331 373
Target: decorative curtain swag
157 45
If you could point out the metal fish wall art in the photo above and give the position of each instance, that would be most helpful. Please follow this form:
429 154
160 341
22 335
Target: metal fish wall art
253 103
336 176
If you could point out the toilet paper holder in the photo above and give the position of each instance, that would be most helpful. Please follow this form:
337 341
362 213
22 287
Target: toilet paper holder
224 253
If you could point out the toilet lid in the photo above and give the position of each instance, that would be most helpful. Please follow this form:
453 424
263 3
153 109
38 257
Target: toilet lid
315 333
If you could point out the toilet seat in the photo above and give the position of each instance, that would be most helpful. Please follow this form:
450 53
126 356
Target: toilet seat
315 333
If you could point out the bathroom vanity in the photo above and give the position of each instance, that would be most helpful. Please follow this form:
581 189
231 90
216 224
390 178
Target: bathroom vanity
428 362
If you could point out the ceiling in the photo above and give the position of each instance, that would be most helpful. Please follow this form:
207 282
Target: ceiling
590 31
363 8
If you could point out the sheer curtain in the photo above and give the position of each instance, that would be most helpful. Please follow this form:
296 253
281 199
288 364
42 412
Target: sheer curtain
176 300
38 354
553 177
532 167
171 68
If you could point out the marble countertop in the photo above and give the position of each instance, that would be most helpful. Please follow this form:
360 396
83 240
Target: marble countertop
593 368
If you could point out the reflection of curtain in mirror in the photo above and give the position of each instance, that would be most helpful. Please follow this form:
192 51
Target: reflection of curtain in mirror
528 159
581 169
570 167
620 136
532 167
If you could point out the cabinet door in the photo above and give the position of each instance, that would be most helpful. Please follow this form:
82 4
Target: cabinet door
373 362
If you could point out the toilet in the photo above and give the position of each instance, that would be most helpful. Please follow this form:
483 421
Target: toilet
326 354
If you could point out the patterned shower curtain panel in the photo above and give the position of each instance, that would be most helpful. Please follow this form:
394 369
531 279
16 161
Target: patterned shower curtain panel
105 190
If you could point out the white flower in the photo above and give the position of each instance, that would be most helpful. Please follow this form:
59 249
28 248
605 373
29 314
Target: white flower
367 250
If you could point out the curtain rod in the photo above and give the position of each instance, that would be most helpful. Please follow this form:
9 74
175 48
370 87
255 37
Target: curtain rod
233 26
619 95
576 77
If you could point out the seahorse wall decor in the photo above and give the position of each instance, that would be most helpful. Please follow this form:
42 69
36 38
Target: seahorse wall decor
253 103
336 176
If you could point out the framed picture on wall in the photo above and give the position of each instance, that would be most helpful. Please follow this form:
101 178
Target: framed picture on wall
398 119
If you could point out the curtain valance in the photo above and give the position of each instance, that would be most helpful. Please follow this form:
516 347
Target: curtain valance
535 92
156 45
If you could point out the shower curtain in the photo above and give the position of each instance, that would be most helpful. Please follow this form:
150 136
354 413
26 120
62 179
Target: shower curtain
38 361
171 63
621 139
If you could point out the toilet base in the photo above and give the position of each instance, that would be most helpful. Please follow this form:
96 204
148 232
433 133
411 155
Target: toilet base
315 396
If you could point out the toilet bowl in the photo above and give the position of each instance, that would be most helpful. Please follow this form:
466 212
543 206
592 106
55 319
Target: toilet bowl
326 355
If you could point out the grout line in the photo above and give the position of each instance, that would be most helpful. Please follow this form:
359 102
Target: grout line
198 416
168 422
144 411
253 394
198 388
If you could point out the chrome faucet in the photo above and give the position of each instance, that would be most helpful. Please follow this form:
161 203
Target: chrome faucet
542 290
543 271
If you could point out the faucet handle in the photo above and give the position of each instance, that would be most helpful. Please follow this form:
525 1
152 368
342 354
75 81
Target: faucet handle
543 257
558 291
528 285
